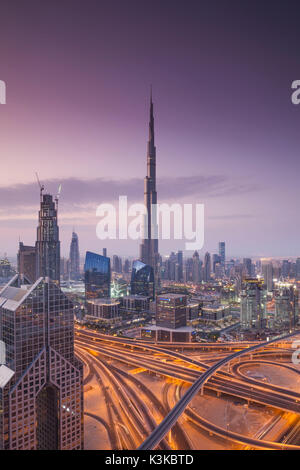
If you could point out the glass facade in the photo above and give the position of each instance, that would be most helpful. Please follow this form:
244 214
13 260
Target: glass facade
42 403
142 279
97 276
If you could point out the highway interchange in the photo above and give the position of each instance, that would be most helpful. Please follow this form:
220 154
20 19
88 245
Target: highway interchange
145 392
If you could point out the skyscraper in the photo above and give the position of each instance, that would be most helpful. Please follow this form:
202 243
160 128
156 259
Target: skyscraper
74 258
222 253
253 303
149 246
41 383
47 245
142 279
207 267
97 276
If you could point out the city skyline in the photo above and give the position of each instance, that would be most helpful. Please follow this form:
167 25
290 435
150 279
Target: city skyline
230 142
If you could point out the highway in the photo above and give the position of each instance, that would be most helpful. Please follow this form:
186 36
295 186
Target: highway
164 427
218 371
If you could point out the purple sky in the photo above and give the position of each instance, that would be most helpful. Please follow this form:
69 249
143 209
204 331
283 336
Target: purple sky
227 135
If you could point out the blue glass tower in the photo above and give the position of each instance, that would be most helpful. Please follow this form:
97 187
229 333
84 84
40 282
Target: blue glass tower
142 279
96 276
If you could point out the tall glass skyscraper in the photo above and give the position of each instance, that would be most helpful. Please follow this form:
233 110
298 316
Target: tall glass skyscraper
74 258
41 382
97 276
142 279
149 246
47 245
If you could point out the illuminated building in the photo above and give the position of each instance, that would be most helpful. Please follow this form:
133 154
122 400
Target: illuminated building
41 383
97 276
171 310
253 303
142 279
286 304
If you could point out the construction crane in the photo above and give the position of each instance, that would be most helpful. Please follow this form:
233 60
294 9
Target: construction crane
41 186
57 195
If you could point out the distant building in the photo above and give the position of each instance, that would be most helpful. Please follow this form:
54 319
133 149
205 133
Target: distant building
74 258
214 313
286 304
222 253
27 261
267 272
253 303
247 267
142 279
41 382
196 276
97 276
207 267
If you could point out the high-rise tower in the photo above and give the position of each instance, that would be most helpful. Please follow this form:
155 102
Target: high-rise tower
41 380
74 258
47 244
149 247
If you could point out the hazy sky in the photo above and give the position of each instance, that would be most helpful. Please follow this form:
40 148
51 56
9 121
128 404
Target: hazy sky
78 75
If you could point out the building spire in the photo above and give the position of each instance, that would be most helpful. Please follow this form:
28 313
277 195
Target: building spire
151 122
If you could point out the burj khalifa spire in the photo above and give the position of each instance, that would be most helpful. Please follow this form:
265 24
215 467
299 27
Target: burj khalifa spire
149 247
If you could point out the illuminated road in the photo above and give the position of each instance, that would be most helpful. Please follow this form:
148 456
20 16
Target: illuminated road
140 413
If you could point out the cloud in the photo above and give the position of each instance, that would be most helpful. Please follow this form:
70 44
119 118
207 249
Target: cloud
82 194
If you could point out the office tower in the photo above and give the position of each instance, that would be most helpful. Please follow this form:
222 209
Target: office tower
41 383
65 268
104 252
188 270
74 258
285 269
171 310
142 279
149 246
27 261
267 272
47 245
170 265
196 268
117 264
253 303
286 304
216 259
97 276
126 266
247 267
207 267
222 253
179 266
